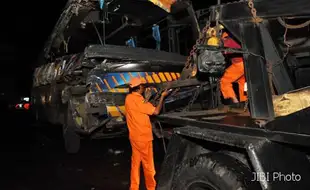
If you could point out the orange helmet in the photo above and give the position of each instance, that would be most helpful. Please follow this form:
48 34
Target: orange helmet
134 82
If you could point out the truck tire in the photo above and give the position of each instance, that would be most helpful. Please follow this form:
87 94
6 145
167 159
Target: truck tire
71 138
213 171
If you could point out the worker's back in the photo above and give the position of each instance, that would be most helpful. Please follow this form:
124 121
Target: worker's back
137 116
229 42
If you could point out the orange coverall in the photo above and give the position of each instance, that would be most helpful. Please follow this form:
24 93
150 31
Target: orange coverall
141 137
233 73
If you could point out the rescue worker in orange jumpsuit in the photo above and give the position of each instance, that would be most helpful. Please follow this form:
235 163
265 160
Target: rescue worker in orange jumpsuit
234 73
140 133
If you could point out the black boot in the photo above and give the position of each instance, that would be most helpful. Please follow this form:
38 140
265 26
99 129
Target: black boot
239 105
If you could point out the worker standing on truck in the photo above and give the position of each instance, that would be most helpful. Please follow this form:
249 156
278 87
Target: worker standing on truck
140 133
234 73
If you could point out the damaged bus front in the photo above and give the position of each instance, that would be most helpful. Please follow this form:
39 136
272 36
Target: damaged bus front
82 86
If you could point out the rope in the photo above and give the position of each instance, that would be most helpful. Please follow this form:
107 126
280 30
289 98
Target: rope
290 26
97 32
163 139
270 75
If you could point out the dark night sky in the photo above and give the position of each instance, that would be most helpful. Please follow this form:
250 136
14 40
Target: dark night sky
25 27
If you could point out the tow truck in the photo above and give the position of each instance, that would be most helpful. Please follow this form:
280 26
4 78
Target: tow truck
265 146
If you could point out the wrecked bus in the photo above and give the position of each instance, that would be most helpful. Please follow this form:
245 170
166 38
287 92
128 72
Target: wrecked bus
81 83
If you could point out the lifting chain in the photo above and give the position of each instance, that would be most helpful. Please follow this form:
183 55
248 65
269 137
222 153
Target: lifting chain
199 41
245 108
194 98
270 75
255 18
190 60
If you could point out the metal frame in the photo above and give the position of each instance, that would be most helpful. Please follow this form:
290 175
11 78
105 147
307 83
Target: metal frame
173 39
280 76
59 27
233 124
194 21
154 57
259 92
239 11
237 18
275 160
269 145
265 156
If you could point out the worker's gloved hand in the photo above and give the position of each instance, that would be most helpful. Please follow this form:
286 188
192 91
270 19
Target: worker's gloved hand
165 93
148 93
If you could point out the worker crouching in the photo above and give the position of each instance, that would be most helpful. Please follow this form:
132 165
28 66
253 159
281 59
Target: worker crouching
140 133
234 73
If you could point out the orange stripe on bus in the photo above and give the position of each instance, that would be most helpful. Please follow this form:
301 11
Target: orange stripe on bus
98 87
122 109
107 84
149 79
115 81
162 77
174 76
124 79
112 110
156 78
168 76
130 75
142 78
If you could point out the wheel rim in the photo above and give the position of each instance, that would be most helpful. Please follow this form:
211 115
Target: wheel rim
201 186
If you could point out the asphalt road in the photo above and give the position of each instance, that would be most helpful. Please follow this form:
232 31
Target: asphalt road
34 158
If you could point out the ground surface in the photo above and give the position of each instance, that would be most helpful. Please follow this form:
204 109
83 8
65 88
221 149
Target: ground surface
34 159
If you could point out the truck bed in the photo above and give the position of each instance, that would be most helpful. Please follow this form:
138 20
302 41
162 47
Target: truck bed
239 128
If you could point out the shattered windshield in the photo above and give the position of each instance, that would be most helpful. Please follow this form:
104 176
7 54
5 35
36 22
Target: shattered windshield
82 30
81 24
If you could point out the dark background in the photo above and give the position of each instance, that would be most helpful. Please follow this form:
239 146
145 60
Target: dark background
25 27
33 155
33 158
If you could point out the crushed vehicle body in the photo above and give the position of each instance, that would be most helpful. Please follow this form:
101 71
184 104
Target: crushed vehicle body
265 144
81 83
101 79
